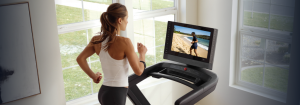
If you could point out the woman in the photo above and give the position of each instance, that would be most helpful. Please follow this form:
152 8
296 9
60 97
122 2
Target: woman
194 44
115 52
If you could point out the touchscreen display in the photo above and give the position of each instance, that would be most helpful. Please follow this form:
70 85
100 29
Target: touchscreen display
190 41
190 44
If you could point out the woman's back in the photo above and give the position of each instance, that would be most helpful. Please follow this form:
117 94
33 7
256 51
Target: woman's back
116 49
114 62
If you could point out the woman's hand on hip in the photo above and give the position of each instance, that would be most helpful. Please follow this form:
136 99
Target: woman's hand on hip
98 77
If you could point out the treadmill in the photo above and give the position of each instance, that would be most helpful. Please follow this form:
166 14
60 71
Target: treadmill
186 69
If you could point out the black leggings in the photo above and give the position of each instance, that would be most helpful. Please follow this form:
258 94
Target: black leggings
112 95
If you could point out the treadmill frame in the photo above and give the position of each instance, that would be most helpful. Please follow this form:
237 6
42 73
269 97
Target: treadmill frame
205 84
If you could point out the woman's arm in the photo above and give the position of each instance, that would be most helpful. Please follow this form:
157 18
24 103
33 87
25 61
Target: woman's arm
134 61
81 60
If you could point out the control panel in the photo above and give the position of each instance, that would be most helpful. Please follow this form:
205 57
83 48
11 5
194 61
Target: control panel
182 72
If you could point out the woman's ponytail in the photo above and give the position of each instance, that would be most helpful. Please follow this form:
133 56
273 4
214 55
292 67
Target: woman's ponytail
109 24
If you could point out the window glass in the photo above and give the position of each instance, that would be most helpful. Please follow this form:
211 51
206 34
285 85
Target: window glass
71 44
159 53
268 76
160 4
144 32
282 18
71 11
152 33
252 71
141 5
94 8
77 83
288 3
278 53
276 15
253 48
106 2
66 14
146 5
276 78
256 14
161 23
144 27
262 1
260 56
150 57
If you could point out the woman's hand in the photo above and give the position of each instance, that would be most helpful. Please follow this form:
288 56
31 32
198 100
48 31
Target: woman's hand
97 78
141 48
192 42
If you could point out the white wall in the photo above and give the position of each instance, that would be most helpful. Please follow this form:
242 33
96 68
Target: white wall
44 28
188 11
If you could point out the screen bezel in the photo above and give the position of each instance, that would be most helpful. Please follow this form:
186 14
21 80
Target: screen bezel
169 37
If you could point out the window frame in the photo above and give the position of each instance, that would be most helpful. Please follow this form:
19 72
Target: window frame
269 34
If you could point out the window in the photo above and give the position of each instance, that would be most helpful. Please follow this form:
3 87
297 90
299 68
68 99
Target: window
78 21
265 32
152 33
150 25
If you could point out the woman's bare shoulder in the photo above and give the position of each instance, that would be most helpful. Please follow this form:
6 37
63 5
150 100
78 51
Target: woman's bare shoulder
96 38
97 47
121 38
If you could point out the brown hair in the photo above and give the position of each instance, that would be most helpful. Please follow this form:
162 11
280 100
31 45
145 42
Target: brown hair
109 24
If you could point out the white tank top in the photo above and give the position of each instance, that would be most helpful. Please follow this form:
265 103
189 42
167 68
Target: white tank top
115 72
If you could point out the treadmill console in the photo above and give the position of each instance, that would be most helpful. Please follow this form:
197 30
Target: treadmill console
182 65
